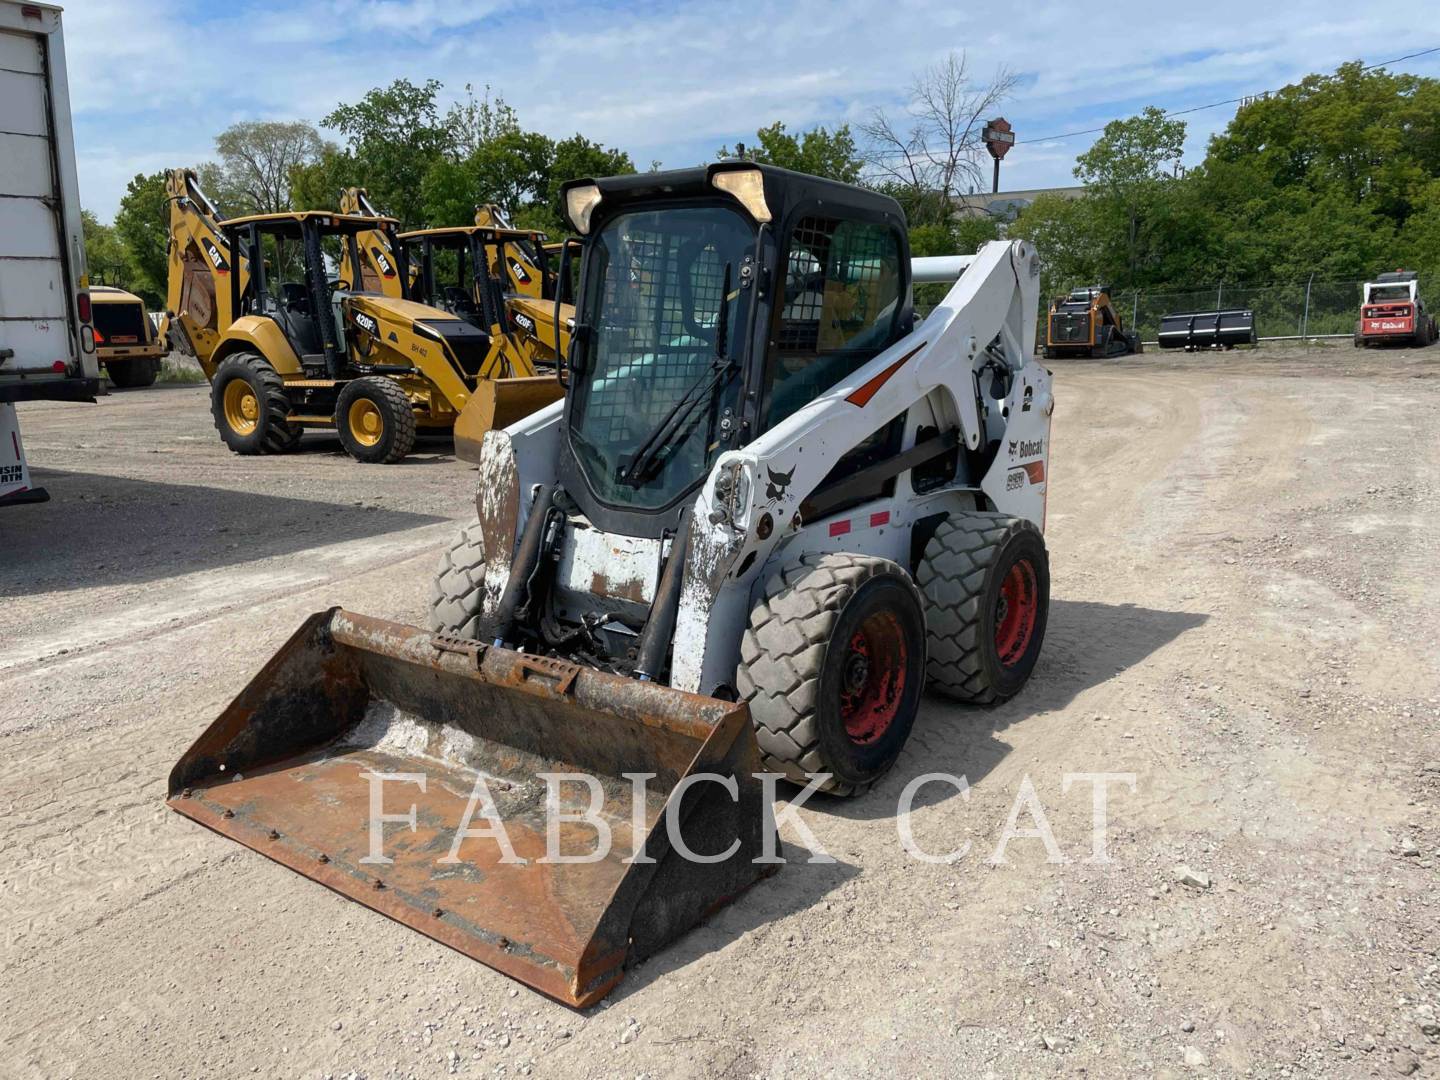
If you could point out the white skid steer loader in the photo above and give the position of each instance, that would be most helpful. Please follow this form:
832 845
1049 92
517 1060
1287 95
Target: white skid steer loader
771 507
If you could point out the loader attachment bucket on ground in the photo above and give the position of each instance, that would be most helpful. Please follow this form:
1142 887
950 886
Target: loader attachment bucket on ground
498 403
356 717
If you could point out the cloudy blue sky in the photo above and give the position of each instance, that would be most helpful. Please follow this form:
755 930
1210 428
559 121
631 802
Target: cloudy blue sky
151 81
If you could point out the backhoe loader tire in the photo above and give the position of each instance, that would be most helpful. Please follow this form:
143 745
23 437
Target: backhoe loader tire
249 404
457 593
832 666
985 578
375 420
133 374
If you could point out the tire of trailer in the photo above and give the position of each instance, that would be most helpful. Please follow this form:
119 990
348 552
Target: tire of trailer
457 592
375 420
832 666
985 578
133 374
250 406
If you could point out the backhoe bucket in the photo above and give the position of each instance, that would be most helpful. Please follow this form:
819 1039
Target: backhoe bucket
498 403
389 763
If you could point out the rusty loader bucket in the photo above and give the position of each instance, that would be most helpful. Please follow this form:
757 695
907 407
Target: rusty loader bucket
365 738
498 403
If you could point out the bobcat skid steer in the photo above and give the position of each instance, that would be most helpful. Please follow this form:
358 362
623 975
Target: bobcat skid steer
771 507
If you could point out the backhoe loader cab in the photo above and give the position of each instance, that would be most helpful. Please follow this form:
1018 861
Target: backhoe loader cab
471 268
769 511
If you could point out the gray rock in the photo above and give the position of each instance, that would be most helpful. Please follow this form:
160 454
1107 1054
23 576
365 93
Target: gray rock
1194 1058
1194 878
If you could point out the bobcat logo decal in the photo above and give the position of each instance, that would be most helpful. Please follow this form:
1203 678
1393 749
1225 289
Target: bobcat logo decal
777 483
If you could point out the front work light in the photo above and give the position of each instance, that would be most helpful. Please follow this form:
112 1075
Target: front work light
580 203
748 187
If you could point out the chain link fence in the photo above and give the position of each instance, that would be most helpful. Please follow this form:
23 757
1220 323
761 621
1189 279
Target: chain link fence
1303 309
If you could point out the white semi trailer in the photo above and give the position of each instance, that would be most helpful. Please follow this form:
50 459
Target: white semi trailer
47 343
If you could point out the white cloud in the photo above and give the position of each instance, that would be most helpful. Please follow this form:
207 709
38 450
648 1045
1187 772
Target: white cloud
152 81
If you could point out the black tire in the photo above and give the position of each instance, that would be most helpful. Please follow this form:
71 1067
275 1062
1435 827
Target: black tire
977 568
268 432
819 702
132 374
380 400
457 593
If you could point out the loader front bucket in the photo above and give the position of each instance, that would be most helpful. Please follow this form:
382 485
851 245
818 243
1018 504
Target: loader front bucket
498 403
385 762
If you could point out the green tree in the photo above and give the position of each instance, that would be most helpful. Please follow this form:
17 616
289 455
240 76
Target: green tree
819 151
258 159
1129 168
578 157
475 121
510 170
1064 232
143 225
1324 175
317 185
394 136
107 259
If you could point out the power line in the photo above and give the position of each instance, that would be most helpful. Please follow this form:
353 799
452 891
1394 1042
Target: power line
1217 104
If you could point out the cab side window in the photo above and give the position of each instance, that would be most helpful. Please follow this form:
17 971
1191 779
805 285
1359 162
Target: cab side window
839 308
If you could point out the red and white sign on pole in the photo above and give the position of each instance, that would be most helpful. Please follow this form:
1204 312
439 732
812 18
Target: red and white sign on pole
999 136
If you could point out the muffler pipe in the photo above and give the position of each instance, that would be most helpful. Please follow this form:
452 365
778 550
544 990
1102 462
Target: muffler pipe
660 626
522 567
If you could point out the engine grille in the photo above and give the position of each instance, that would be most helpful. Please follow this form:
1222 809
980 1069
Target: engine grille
1068 329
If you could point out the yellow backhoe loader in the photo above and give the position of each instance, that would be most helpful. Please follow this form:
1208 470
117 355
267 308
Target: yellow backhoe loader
771 509
288 347
495 278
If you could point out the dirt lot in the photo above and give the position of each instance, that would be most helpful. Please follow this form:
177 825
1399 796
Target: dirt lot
1245 586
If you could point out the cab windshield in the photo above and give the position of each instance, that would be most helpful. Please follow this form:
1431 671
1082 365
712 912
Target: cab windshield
655 290
1380 294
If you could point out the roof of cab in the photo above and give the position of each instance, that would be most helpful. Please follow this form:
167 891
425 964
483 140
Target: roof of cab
329 217
110 294
784 190
470 230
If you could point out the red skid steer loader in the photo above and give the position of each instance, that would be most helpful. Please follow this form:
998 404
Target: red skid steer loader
772 506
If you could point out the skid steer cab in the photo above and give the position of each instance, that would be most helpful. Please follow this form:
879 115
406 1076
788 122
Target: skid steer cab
772 507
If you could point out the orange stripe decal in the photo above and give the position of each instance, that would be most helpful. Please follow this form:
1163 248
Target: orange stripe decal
1035 470
862 396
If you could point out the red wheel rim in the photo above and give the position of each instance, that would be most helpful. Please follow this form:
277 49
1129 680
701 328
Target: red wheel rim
872 678
1015 611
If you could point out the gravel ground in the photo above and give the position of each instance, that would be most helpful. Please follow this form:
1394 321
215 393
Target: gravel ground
1244 559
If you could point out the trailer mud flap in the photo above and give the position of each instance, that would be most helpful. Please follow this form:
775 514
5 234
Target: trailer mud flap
498 403
385 762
